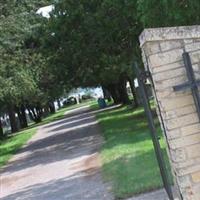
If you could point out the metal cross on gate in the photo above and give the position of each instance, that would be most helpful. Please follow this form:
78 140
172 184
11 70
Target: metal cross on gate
192 84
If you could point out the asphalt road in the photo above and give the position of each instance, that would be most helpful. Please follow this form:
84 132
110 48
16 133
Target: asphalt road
60 162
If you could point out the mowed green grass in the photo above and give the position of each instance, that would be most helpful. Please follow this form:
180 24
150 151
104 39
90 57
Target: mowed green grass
129 161
10 145
13 143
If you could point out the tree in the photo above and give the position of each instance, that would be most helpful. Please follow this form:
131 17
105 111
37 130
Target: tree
161 13
20 60
93 43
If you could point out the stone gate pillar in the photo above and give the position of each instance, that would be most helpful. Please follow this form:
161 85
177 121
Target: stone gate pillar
162 50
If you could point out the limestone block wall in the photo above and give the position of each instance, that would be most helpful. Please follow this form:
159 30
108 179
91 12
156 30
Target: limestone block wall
162 50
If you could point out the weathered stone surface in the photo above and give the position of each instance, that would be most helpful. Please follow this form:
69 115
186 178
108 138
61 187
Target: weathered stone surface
189 170
195 57
196 189
168 67
166 58
190 129
173 73
193 151
163 48
183 142
187 163
170 44
184 181
192 46
165 94
175 103
185 33
178 155
188 193
152 48
170 83
185 110
188 41
174 134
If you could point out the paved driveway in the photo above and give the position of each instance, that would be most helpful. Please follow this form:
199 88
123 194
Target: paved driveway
60 162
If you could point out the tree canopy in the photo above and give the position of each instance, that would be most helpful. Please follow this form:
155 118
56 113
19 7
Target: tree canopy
93 42
83 43
22 65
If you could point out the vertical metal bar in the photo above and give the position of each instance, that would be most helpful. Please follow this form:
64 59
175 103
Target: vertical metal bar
155 140
191 77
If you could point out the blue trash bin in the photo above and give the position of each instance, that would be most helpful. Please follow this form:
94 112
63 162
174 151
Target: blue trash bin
101 103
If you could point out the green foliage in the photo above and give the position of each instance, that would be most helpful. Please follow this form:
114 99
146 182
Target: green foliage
160 13
84 43
24 77
92 41
16 78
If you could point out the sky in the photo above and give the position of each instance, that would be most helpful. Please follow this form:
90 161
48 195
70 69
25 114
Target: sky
44 11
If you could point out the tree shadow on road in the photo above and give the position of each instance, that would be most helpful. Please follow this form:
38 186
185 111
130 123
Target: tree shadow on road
82 185
69 138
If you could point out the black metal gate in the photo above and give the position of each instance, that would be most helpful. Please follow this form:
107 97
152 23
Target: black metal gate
142 78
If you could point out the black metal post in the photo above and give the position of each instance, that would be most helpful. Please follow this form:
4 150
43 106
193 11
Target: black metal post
154 136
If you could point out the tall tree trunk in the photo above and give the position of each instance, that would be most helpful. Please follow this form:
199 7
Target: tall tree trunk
58 102
22 116
112 88
1 130
106 94
12 117
38 115
35 114
24 119
46 110
133 90
30 114
123 90
52 107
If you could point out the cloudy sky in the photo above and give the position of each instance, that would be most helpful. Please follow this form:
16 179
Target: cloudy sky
44 11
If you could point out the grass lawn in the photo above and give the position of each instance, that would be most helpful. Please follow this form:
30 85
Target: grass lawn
10 145
128 156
